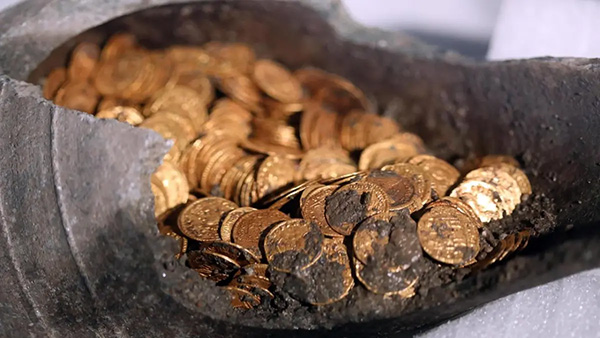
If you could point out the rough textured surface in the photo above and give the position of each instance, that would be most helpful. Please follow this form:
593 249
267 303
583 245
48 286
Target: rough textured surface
86 259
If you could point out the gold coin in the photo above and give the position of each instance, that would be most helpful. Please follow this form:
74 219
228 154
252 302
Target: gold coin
517 174
121 113
293 244
275 80
237 253
239 56
279 200
201 84
242 299
506 185
448 235
382 281
78 96
160 200
179 100
458 204
249 228
84 59
200 220
212 266
174 183
117 45
117 76
482 197
386 152
313 207
229 220
257 270
344 179
443 174
334 265
421 183
53 82
402 191
242 90
274 173
353 203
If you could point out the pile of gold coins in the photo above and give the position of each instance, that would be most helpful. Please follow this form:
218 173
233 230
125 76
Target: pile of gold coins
279 175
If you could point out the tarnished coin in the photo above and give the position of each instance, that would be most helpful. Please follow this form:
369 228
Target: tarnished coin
275 80
421 183
256 286
313 207
327 281
293 244
249 228
55 79
200 220
212 266
380 280
236 252
443 174
242 299
274 173
229 220
389 243
353 203
448 235
257 270
401 190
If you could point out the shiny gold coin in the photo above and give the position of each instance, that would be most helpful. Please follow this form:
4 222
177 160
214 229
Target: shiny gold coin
173 181
53 82
420 182
517 174
122 113
275 80
293 244
242 299
229 220
199 83
236 252
313 207
242 90
200 220
78 96
382 281
212 266
482 197
353 203
443 174
458 204
274 173
249 228
448 235
84 59
117 76
506 185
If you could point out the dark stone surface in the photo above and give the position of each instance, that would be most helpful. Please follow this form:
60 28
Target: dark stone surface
78 245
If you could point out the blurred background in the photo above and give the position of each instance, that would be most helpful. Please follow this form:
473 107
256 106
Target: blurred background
480 29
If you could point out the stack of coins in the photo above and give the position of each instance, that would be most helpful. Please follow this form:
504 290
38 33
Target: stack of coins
279 176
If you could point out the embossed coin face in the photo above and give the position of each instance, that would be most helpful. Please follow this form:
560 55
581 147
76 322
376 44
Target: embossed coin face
448 235
229 220
517 174
274 172
249 228
277 81
443 174
353 203
401 190
313 208
484 198
420 180
211 265
200 220
293 244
